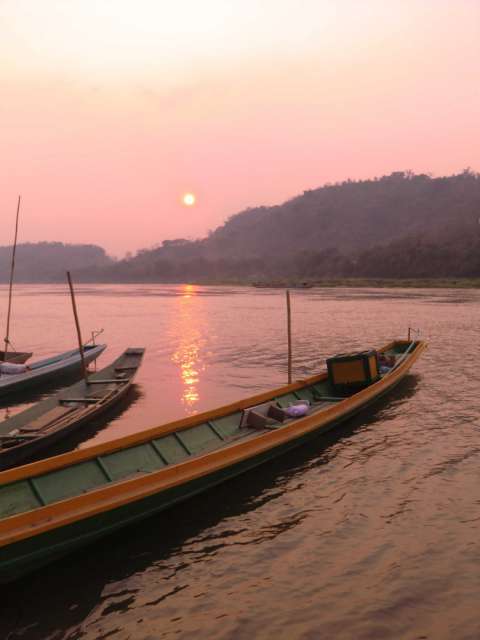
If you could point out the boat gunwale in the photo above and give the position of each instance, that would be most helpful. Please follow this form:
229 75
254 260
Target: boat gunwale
65 459
119 493
67 359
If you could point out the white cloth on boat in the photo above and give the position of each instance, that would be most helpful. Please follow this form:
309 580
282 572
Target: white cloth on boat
298 410
11 369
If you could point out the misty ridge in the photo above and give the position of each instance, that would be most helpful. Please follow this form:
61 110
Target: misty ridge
48 261
402 225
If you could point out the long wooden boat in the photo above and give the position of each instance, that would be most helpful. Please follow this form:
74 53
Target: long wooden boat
15 357
57 417
48 369
51 507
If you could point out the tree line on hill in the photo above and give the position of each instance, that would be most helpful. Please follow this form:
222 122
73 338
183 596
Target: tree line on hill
48 261
402 225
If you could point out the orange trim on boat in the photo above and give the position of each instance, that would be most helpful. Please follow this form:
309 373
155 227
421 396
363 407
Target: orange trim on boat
111 496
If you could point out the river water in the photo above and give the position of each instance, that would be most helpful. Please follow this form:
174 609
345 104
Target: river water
371 532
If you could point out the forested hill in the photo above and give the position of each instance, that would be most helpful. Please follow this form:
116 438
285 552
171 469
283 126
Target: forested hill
397 226
48 261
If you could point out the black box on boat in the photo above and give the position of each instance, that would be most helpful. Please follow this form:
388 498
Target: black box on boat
352 371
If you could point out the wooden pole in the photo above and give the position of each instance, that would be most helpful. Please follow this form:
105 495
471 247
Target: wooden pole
289 335
77 324
12 269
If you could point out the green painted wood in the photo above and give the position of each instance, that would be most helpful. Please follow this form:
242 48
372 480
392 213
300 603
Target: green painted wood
306 394
36 491
21 557
181 442
159 453
17 497
200 438
285 400
228 425
171 449
69 482
217 431
106 473
139 459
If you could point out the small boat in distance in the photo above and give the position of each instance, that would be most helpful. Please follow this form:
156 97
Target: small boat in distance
47 422
54 368
54 506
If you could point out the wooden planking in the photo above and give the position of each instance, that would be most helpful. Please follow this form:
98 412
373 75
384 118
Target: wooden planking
69 482
17 497
285 400
199 438
319 381
47 418
127 462
170 449
228 425
306 394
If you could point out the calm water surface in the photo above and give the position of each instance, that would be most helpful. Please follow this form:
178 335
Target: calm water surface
370 532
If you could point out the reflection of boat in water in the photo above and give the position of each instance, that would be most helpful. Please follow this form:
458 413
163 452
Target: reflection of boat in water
282 285
53 368
51 507
57 417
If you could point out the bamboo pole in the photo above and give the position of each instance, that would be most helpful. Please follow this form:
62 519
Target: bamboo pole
289 336
77 324
10 288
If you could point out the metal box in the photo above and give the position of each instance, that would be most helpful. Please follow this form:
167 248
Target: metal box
353 371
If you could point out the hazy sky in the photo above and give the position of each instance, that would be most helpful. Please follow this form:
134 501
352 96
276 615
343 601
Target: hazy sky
110 110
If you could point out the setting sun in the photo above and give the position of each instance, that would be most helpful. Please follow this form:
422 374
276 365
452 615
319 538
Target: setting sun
189 199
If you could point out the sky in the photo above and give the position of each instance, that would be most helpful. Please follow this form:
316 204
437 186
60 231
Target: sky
112 110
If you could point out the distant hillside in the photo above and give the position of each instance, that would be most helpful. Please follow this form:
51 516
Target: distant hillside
401 225
48 261
398 226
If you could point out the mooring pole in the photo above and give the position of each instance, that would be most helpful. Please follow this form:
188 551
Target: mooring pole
77 324
289 335
12 269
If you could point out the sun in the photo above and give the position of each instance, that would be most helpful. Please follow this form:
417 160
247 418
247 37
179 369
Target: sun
189 199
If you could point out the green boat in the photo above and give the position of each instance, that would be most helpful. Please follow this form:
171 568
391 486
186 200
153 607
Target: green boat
48 369
47 422
51 507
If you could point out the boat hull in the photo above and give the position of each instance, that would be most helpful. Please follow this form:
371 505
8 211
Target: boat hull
55 431
15 357
48 370
27 555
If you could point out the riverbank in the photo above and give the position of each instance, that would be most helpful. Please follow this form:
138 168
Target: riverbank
384 283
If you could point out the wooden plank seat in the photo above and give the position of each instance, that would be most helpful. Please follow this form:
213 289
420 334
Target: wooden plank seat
265 416
47 418
91 400
14 438
109 381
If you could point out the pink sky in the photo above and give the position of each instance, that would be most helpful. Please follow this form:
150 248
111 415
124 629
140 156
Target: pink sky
110 110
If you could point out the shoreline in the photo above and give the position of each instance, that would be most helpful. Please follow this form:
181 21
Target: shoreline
332 283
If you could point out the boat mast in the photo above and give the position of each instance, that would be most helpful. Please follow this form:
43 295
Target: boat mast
12 269
289 337
77 324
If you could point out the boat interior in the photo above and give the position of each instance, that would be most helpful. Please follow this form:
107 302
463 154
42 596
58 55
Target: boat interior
72 404
171 447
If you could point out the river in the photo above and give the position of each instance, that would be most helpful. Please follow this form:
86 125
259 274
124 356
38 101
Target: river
371 532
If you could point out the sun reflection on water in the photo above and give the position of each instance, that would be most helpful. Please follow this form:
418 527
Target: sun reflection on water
188 353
